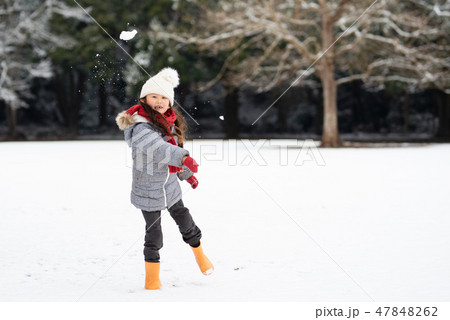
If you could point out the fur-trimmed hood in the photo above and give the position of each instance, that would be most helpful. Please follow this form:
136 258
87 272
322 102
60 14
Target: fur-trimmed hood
125 120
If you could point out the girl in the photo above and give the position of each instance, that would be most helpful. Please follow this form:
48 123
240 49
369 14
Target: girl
155 130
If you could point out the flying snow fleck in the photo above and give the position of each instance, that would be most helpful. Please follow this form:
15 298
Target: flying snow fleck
127 35
221 117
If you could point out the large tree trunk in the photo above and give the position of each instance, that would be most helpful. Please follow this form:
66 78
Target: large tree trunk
330 135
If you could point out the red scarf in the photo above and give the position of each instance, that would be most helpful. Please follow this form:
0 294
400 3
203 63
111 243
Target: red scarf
169 115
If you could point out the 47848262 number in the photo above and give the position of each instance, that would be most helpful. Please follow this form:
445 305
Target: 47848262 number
407 311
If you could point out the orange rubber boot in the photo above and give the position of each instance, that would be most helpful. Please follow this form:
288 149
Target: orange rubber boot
206 267
152 276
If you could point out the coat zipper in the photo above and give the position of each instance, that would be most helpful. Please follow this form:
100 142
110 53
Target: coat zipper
164 187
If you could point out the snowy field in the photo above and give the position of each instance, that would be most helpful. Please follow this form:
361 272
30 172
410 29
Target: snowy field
353 224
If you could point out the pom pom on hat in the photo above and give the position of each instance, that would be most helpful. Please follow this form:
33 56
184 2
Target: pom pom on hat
170 75
162 83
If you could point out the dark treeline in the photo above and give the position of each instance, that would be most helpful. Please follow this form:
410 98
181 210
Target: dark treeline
92 79
362 114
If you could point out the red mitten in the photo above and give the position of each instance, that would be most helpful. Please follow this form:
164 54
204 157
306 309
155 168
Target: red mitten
191 164
193 182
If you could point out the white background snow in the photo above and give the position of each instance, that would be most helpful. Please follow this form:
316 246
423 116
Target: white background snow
369 223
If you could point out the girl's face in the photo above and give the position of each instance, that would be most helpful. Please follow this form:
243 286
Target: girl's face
157 102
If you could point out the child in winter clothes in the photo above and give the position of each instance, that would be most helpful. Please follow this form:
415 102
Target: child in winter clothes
154 129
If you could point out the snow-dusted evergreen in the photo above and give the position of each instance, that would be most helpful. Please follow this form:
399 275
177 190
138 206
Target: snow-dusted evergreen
25 44
23 54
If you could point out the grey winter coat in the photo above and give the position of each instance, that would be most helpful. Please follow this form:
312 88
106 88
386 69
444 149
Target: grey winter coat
153 187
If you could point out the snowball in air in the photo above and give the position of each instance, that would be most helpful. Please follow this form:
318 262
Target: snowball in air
221 117
127 35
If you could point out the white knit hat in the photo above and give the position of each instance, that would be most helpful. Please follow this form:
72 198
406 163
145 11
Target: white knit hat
162 83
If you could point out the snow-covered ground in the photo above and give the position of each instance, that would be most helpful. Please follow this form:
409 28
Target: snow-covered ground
357 224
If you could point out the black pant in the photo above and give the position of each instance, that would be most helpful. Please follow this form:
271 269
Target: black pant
153 234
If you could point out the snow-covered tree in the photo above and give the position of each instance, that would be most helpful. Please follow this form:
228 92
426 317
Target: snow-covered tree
24 45
283 42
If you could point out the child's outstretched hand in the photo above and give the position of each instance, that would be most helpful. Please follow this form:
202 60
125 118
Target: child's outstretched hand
190 163
193 182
